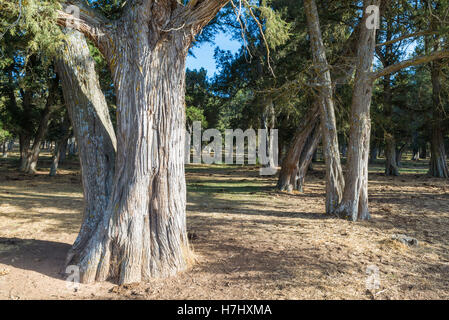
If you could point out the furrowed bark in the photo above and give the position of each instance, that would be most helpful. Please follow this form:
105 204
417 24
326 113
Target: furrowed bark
334 174
142 233
354 204
93 130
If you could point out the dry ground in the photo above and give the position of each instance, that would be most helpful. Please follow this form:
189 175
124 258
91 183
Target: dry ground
251 242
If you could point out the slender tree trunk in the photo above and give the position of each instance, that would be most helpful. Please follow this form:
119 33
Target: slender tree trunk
391 167
5 149
305 160
288 176
33 155
24 146
399 153
93 129
59 145
354 205
334 175
438 163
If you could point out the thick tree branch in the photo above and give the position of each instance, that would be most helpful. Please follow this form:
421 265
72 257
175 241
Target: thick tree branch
90 22
198 13
409 63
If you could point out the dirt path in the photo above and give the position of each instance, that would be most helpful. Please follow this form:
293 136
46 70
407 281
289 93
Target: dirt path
251 242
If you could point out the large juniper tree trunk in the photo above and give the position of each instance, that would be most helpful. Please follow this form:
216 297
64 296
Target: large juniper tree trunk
355 197
142 232
334 175
438 163
288 176
94 132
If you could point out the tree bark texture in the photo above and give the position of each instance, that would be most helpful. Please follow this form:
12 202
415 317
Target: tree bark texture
142 232
354 205
334 174
94 132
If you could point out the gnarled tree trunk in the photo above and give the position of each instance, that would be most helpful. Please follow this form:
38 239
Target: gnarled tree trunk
93 129
142 232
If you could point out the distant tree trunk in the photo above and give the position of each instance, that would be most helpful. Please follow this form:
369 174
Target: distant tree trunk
334 174
24 146
33 155
415 147
93 129
5 149
354 205
423 152
59 145
373 153
305 161
63 151
399 153
391 167
288 176
438 163
268 122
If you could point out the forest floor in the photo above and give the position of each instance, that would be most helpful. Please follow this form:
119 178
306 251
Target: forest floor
251 242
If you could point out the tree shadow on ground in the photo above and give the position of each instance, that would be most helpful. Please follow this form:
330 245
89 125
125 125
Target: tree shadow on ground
45 257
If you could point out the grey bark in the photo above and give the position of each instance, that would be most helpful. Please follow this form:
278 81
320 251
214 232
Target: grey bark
438 163
142 233
89 115
334 174
354 204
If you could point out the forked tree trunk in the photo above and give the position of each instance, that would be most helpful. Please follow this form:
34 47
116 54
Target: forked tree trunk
438 163
288 176
89 114
334 174
354 205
